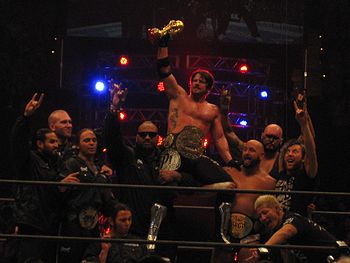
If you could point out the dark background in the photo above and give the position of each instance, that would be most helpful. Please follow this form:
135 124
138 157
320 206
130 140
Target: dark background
31 30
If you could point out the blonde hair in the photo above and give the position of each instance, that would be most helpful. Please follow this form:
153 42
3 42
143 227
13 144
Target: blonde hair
267 200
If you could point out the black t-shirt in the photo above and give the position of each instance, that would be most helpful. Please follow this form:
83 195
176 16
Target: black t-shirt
118 252
309 233
274 171
301 182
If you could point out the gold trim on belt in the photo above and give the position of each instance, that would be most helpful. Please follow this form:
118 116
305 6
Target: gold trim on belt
189 142
241 225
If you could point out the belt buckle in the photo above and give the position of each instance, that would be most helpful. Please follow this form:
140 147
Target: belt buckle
241 225
189 142
88 218
170 159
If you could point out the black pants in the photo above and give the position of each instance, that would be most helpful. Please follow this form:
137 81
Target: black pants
73 251
204 170
38 250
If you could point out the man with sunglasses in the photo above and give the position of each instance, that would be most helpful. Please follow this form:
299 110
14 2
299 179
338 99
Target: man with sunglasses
138 165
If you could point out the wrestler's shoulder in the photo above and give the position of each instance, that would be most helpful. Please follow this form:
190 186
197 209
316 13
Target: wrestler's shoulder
213 106
268 178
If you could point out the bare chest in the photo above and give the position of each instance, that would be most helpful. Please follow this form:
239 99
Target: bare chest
203 111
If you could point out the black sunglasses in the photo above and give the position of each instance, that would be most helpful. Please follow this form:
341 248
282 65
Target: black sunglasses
150 134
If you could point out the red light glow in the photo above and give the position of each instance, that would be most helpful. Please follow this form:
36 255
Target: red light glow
160 87
243 68
122 116
205 143
124 61
160 140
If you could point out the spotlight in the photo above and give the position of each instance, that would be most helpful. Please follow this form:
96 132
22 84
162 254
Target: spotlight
122 116
264 94
205 143
123 61
243 68
243 123
99 86
160 86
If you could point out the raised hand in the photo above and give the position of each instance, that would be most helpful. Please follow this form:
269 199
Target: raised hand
300 114
225 99
118 96
33 105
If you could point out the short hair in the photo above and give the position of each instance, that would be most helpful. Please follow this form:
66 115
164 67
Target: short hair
209 78
292 142
148 122
52 117
40 134
120 207
267 200
81 132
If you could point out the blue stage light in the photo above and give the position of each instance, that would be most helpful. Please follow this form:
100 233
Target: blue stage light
264 94
100 86
243 123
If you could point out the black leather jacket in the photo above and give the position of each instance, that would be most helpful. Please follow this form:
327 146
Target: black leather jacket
36 205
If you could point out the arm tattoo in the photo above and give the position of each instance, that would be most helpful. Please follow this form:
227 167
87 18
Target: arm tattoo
174 114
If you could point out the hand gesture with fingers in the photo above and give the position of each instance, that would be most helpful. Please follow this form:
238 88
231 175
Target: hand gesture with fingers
118 96
225 99
106 170
300 114
33 105
71 178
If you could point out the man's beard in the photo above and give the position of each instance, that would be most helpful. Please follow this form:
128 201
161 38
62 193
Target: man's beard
145 148
269 151
253 163
52 155
199 96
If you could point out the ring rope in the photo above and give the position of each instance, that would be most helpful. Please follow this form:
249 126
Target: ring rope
177 188
166 242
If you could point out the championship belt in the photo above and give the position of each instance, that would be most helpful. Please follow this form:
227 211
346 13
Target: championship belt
168 140
158 212
189 142
241 225
88 218
225 210
170 159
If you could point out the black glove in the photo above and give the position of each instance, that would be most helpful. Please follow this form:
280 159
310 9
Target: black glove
235 164
163 41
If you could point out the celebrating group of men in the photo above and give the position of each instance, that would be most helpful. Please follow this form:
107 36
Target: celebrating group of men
77 211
